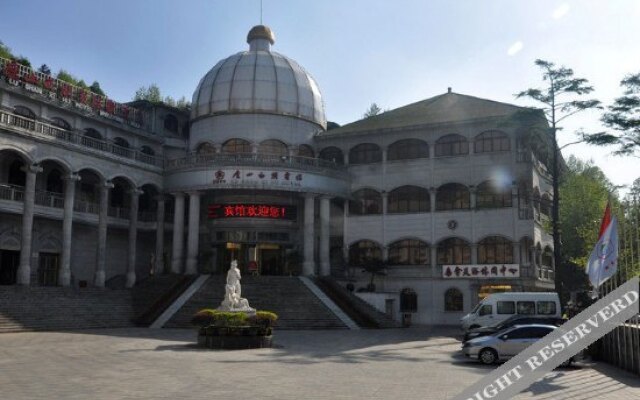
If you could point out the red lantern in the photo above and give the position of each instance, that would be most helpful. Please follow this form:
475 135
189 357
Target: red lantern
48 83
12 70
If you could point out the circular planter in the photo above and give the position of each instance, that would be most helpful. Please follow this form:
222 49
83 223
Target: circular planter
235 337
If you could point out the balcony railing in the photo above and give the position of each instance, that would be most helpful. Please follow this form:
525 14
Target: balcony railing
252 160
49 131
11 192
49 199
86 207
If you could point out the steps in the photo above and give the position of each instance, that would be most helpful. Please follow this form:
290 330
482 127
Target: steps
154 294
297 307
57 308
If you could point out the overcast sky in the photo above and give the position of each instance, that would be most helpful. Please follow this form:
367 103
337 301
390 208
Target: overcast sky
389 52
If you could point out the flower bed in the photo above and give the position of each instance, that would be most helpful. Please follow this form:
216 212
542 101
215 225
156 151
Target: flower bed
234 330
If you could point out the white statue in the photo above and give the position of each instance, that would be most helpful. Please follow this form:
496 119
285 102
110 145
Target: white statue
232 292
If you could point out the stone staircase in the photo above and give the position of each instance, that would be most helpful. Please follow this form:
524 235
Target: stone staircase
57 308
297 307
154 294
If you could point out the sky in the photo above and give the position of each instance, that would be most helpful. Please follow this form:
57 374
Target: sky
360 51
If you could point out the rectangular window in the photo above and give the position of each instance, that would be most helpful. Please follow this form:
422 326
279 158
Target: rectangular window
506 307
526 307
546 307
486 309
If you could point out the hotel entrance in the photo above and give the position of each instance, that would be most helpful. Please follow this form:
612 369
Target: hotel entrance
253 259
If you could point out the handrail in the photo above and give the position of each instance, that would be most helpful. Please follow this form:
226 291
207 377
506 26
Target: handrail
51 131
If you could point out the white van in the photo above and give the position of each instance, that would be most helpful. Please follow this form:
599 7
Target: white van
499 306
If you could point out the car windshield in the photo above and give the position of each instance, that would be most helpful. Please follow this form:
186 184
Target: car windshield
506 323
475 309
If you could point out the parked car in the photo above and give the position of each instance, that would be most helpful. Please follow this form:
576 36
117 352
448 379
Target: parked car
507 343
508 323
497 307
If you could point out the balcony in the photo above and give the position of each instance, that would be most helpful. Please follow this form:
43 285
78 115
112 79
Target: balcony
41 129
215 160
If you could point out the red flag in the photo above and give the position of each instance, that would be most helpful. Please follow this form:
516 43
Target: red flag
606 220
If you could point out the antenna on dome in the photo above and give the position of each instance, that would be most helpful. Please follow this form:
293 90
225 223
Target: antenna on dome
260 12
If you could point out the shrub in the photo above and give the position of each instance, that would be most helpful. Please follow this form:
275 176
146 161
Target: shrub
210 317
264 319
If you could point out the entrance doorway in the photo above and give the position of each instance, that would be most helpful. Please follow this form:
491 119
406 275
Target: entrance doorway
48 269
260 258
9 261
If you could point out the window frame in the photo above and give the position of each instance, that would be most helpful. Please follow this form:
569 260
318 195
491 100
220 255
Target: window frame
454 300
408 199
416 252
412 148
492 141
460 199
452 145
365 153
502 303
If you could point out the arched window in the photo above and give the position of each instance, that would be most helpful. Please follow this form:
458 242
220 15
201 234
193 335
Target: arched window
526 243
55 183
452 145
60 123
408 149
147 150
408 199
495 250
409 252
333 154
364 251
273 147
236 146
24 112
205 148
454 251
305 151
365 153
545 205
453 196
547 257
490 194
121 142
365 202
491 141
171 123
92 133
453 300
536 203
16 176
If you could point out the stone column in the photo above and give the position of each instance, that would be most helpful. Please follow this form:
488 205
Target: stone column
64 277
385 202
194 233
24 270
158 268
133 236
308 265
432 198
101 252
474 253
325 217
433 254
472 198
178 233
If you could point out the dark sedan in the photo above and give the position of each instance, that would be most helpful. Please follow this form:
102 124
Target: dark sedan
507 323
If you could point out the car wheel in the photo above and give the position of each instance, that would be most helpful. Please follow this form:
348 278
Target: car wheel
488 356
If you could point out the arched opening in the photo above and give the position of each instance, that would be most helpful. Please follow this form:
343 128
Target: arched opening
273 147
205 148
120 198
171 123
365 202
452 145
92 138
54 181
363 252
492 141
148 203
236 146
453 300
88 192
545 205
121 147
408 300
453 196
408 149
16 175
305 151
409 252
332 154
118 141
92 133
495 250
454 251
60 123
365 153
147 150
24 112
50 184
492 194
409 199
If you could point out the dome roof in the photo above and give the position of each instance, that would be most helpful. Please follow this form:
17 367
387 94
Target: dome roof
259 81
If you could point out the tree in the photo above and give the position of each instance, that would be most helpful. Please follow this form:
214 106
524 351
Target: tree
5 51
44 68
372 110
623 116
95 88
561 99
66 77
183 103
23 60
169 101
150 93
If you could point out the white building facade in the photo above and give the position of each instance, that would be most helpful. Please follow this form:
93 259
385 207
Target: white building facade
444 195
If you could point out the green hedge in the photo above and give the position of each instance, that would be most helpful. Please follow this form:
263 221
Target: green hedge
208 317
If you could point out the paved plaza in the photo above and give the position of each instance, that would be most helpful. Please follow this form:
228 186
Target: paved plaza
417 363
